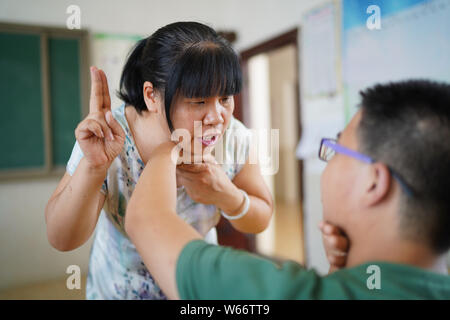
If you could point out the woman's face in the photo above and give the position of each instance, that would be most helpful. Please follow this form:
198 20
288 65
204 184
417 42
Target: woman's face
213 114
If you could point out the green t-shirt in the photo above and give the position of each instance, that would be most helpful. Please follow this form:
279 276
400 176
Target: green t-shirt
207 271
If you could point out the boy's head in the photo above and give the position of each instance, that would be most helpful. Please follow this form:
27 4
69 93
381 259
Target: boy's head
405 128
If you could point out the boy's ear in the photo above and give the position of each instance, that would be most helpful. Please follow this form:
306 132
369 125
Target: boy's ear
378 184
150 97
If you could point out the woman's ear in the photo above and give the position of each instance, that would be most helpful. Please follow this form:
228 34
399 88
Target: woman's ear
378 185
150 97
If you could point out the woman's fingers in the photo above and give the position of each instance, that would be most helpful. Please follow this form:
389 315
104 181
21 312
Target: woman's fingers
209 158
194 168
185 175
87 128
96 126
106 129
183 181
105 92
96 99
114 125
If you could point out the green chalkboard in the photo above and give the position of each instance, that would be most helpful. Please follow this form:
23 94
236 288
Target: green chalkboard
28 67
21 118
65 95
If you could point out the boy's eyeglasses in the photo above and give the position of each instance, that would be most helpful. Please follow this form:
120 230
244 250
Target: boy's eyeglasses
329 147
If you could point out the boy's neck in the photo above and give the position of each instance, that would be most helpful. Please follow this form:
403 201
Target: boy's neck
394 250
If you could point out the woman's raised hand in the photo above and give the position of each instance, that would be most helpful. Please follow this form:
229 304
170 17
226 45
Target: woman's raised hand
99 135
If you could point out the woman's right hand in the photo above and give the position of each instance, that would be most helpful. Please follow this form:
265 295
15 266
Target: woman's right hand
99 135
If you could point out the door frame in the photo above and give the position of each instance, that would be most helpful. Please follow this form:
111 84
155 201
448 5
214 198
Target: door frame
227 234
289 38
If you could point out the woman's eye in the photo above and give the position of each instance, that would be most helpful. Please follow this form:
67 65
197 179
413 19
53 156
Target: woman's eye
226 100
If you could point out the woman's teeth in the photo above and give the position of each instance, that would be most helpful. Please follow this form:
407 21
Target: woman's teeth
209 140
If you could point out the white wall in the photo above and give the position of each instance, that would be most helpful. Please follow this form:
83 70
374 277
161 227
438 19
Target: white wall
24 251
25 255
254 20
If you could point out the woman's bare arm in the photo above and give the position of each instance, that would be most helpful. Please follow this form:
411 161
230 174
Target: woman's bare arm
260 211
73 209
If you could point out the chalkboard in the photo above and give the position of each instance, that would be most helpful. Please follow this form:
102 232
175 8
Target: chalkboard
24 77
65 96
21 122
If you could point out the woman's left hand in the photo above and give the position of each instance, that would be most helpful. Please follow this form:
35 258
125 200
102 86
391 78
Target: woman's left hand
207 183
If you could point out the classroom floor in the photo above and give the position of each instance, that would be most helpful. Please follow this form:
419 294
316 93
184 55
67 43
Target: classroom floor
288 245
289 232
50 290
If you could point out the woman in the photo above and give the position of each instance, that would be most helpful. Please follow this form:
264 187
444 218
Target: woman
181 74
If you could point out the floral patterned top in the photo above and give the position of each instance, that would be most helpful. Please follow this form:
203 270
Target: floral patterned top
116 271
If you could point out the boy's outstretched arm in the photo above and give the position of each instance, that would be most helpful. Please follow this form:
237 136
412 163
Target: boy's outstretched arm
151 221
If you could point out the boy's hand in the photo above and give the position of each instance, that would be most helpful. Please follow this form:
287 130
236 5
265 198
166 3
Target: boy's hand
336 245
100 136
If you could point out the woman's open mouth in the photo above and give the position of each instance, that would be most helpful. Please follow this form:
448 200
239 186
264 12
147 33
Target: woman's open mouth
209 140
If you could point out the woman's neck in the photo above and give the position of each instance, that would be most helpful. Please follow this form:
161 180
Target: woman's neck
146 130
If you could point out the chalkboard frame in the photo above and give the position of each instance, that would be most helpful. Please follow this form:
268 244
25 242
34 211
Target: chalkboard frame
45 32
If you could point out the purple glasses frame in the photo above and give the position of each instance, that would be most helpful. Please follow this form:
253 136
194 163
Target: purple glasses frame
336 147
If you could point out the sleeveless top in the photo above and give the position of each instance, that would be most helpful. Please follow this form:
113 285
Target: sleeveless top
116 271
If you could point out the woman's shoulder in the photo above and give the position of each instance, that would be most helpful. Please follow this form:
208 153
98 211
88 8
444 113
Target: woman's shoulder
237 132
236 147
235 124
236 129
119 114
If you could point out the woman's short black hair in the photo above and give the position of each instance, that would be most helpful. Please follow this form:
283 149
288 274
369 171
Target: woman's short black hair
187 58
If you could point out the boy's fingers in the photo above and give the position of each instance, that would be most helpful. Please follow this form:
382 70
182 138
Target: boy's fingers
96 99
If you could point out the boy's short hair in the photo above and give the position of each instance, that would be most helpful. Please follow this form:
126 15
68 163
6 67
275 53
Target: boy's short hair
406 125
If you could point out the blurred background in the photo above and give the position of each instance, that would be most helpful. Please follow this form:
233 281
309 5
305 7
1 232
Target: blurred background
304 63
